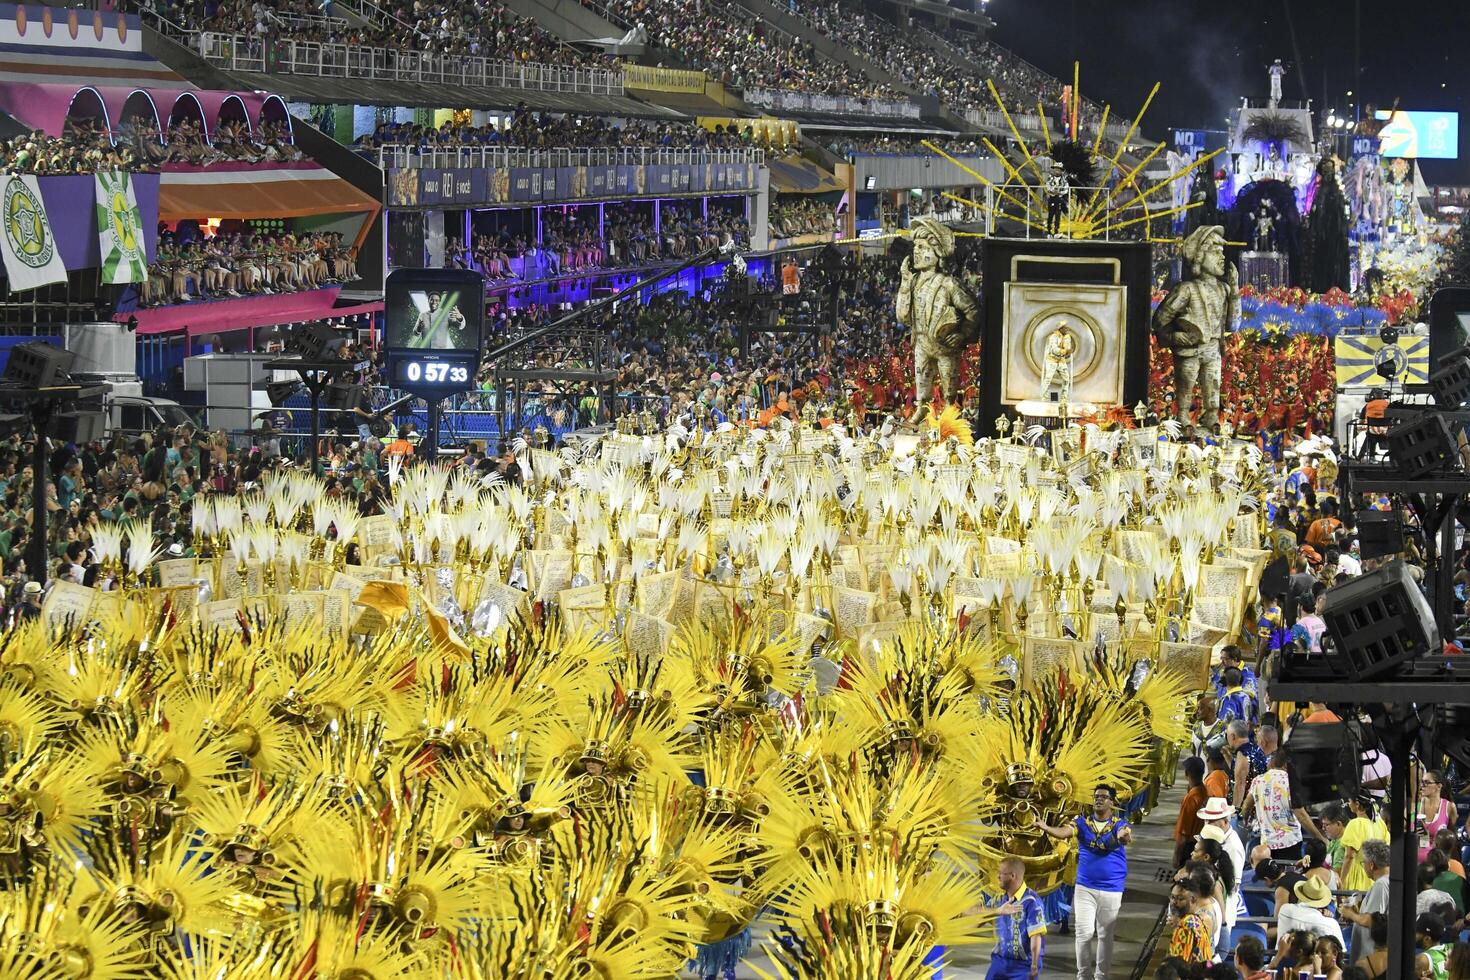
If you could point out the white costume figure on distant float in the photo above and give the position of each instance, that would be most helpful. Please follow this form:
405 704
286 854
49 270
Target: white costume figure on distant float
939 311
1278 72
1056 366
1194 320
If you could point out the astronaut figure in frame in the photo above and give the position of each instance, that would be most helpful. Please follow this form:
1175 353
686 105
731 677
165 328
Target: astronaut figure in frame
1056 366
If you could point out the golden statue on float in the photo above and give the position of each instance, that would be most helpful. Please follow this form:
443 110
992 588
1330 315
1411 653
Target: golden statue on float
940 311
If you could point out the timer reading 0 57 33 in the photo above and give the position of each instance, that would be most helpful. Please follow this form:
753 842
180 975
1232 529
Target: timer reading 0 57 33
435 373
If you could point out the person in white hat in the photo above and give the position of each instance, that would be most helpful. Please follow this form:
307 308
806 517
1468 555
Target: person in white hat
30 606
1217 813
1308 912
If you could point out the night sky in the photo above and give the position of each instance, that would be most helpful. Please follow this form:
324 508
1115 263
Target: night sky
1208 55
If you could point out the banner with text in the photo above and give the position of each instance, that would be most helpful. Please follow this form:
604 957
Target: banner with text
423 187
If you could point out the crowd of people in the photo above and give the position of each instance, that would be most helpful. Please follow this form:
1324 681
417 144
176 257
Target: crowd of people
571 242
531 130
901 144
737 48
446 28
797 214
1273 884
241 263
1270 880
85 147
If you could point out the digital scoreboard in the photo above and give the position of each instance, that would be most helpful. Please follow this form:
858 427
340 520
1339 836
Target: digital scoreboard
433 330
434 369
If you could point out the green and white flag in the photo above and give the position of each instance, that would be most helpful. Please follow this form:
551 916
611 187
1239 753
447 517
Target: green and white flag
28 247
120 230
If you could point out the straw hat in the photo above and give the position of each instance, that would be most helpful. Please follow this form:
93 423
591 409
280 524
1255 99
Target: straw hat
1214 833
1312 893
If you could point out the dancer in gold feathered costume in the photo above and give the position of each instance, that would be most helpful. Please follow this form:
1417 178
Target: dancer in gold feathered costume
599 724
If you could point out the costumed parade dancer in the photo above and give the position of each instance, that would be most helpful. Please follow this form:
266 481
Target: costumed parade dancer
606 717
1056 365
1058 194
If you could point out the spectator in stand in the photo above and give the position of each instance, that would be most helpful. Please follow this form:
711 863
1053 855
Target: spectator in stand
528 130
739 49
1372 944
448 27
1188 824
1308 912
1457 965
1249 760
1217 773
1363 827
1280 819
797 214
1335 818
1294 952
1435 868
1448 842
1250 959
1192 937
236 264
1435 812
1327 957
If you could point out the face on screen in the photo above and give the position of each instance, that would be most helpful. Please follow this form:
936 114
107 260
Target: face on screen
433 309
431 320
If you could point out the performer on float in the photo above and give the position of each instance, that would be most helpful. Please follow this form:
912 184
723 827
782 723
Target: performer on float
940 312
1264 219
1278 72
1194 320
1056 369
1058 192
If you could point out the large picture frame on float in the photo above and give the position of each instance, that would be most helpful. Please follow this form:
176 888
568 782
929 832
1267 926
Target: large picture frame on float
1100 289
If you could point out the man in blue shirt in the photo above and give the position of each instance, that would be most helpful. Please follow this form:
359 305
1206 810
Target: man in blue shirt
1231 657
1019 927
1235 700
1102 874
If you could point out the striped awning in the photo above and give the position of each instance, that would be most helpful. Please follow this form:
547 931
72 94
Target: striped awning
798 175
243 191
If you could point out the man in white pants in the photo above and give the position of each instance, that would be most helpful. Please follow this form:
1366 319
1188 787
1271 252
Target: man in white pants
1102 873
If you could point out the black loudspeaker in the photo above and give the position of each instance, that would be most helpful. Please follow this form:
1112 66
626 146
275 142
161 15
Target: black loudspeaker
1326 762
1377 622
1451 381
1421 446
317 342
341 396
1451 732
1379 534
279 391
79 427
38 365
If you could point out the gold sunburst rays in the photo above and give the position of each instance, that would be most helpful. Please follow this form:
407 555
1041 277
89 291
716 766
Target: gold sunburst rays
1102 213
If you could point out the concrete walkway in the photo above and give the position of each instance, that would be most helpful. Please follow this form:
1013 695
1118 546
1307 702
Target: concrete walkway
1152 851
